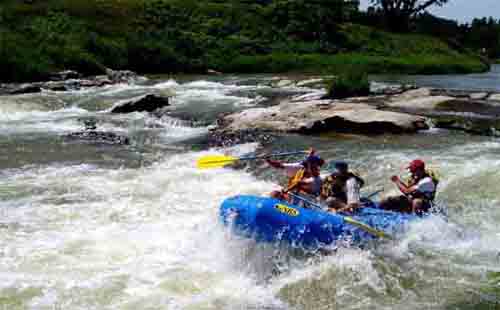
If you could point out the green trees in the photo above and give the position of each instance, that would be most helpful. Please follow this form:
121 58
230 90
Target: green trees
399 12
309 20
164 36
484 35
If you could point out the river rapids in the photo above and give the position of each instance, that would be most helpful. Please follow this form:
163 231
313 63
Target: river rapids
86 226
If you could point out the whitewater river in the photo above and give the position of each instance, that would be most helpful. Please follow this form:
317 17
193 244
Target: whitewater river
86 226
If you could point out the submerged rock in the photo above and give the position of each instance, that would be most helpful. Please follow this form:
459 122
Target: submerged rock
146 103
214 72
311 83
71 80
318 95
284 83
378 88
226 138
65 75
90 134
19 89
98 137
124 76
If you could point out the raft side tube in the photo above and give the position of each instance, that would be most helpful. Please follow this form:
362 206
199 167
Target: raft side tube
272 220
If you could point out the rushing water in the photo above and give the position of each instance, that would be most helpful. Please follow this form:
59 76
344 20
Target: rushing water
88 226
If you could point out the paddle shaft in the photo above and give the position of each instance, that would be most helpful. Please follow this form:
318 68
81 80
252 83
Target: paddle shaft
375 193
272 155
347 219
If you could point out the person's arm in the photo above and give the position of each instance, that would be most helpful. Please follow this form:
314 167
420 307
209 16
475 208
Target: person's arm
309 185
404 188
275 164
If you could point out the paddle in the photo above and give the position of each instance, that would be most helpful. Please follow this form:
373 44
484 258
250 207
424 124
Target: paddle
375 193
218 161
349 220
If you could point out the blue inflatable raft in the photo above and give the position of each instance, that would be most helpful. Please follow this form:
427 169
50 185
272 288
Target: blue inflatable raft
270 220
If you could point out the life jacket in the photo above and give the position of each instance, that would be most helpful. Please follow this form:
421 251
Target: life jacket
294 186
428 197
434 175
293 182
334 185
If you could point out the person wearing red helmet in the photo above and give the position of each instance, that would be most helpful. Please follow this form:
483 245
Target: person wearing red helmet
418 194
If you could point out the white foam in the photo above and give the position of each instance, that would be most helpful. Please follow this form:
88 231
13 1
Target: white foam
41 121
136 226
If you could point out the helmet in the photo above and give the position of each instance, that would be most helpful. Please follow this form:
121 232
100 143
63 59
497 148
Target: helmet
313 160
340 166
415 165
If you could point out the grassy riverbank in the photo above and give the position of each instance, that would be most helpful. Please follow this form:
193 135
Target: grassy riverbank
161 36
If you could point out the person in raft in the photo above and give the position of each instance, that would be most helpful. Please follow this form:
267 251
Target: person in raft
418 193
303 177
340 190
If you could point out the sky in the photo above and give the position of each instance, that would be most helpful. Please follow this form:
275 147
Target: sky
463 10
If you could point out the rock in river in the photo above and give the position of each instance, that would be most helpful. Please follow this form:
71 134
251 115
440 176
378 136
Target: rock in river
147 103
18 89
494 97
457 112
318 116
101 137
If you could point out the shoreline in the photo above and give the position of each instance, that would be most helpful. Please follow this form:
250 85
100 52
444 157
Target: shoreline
315 64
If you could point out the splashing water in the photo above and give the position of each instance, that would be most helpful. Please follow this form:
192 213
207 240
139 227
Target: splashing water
85 228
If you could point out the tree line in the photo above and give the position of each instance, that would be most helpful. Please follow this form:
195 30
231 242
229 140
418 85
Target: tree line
161 36
482 35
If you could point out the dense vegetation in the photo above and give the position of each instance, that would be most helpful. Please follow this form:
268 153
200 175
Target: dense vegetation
398 14
349 84
162 36
482 35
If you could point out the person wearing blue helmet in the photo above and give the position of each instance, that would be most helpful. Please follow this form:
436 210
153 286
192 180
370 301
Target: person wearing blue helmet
304 177
341 189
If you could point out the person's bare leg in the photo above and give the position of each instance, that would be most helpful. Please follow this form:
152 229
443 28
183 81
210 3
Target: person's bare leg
397 204
417 205
276 195
334 204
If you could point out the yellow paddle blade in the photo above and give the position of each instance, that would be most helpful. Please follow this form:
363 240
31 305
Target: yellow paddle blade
367 228
214 161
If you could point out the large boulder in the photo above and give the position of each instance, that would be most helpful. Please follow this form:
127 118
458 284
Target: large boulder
318 116
475 124
478 96
416 104
451 109
146 103
494 97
